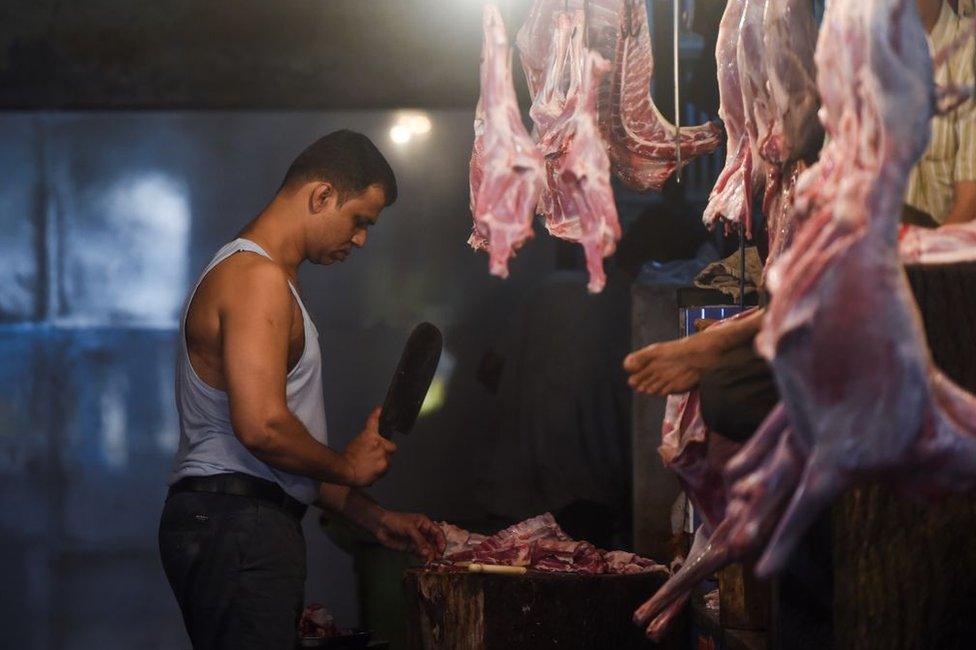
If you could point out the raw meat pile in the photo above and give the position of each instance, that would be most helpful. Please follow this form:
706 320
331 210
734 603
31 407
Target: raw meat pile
589 116
537 543
902 421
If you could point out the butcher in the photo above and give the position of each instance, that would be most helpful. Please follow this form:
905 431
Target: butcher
254 450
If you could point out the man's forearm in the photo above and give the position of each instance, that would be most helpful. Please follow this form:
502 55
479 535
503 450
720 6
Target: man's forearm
285 443
733 333
351 504
963 203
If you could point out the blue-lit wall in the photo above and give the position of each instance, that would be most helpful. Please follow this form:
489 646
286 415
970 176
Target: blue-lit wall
105 220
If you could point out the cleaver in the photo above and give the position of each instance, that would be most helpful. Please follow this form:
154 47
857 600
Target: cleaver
410 382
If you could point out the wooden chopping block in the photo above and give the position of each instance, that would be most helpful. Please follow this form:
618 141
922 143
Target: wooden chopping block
469 611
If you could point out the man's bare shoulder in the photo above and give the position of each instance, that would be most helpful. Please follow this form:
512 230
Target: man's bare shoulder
246 278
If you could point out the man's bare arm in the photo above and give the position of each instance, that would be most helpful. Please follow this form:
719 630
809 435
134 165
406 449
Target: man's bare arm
254 325
963 203
677 366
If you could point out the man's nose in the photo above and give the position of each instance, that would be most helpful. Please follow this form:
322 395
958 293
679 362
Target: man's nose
359 239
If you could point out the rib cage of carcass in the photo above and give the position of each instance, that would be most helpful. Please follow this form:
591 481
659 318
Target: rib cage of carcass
641 143
859 401
590 117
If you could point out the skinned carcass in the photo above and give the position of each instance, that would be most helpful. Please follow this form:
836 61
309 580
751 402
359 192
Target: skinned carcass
790 37
730 200
644 147
507 171
641 142
578 199
757 102
877 407
858 401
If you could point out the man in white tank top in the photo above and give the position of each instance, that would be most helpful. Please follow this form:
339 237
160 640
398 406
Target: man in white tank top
253 445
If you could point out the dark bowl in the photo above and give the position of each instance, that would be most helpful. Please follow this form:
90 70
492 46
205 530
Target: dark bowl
355 640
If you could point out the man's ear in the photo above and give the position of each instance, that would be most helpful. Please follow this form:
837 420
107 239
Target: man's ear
321 194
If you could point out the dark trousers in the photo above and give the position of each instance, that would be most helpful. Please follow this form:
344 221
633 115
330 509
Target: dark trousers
237 567
738 393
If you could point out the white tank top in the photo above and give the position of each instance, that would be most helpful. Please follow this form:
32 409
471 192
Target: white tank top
207 441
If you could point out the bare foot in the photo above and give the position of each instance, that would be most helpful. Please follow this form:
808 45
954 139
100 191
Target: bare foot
673 366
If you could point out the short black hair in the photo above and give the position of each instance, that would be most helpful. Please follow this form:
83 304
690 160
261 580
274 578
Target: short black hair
348 160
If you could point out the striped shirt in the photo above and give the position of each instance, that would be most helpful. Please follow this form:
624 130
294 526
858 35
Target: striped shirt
951 155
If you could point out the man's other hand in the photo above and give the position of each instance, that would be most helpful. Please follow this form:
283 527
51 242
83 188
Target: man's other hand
367 455
411 532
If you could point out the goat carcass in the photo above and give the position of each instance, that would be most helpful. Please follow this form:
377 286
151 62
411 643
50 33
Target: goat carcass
859 401
580 205
730 200
644 147
641 142
507 170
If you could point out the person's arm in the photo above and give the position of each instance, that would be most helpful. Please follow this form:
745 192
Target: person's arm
401 531
964 121
963 203
677 366
254 327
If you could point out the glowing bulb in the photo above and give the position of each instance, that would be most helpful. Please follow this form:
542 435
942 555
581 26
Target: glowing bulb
400 134
417 123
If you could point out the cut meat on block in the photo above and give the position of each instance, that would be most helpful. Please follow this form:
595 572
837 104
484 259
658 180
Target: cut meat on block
540 544
507 171
951 244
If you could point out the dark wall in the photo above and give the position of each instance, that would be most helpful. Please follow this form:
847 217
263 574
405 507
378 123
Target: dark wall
105 220
253 54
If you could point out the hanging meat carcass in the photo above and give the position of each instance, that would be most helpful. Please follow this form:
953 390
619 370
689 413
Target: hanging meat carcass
643 145
507 171
730 200
795 134
859 401
879 407
578 201
641 142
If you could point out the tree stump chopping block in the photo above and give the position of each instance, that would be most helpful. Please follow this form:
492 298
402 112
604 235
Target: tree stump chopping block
905 570
465 611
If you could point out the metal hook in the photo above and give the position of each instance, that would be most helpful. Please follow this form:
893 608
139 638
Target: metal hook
586 24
